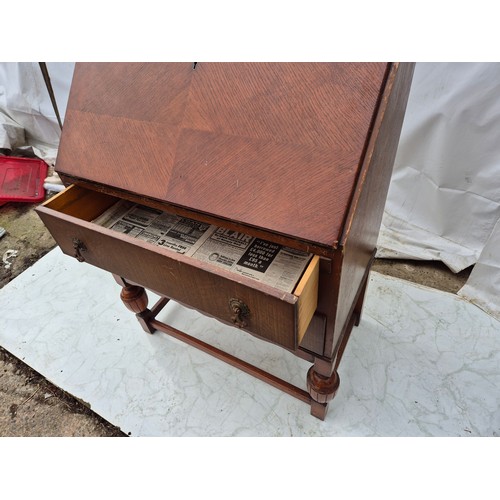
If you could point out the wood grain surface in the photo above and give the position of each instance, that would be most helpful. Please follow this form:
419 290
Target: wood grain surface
275 146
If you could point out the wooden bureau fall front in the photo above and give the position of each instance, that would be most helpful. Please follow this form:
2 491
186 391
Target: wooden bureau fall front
295 156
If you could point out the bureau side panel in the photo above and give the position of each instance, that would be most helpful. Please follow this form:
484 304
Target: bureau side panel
359 239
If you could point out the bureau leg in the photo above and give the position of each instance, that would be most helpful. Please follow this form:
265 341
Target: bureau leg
135 299
319 410
322 390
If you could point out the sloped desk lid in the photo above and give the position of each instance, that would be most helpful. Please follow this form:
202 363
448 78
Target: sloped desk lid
272 145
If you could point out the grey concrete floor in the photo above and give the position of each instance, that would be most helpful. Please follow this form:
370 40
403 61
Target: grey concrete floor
31 406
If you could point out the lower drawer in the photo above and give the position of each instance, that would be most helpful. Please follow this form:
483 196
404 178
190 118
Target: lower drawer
272 314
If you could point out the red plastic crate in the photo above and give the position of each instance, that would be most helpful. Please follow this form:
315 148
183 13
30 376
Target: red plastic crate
21 179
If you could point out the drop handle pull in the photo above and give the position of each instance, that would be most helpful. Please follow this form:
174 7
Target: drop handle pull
78 247
240 311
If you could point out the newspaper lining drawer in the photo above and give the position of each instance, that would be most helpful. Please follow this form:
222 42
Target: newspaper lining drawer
270 313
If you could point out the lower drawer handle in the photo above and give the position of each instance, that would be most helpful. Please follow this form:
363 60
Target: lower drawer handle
79 246
240 312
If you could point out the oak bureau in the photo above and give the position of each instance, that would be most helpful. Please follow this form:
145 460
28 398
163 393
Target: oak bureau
295 156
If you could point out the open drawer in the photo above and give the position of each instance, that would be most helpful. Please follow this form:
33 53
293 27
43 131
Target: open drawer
278 316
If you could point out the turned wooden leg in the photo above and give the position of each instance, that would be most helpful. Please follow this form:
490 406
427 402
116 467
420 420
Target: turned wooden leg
135 299
322 390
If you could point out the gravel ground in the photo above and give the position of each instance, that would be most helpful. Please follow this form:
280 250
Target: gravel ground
32 406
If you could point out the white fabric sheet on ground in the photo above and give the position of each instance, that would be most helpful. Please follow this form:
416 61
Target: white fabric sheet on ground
421 363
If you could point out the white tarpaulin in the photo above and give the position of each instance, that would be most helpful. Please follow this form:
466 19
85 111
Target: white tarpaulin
444 198
27 117
483 286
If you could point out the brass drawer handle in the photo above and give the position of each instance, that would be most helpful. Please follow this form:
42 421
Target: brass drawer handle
240 312
79 246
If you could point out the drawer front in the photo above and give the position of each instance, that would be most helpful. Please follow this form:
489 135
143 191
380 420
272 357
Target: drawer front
267 312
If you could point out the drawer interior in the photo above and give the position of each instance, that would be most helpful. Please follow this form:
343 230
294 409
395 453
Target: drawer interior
87 205
82 203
